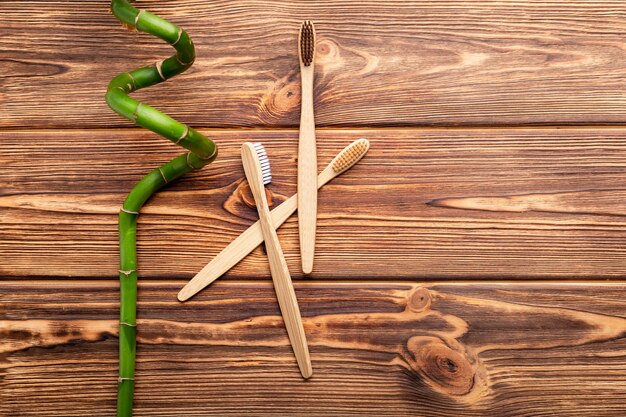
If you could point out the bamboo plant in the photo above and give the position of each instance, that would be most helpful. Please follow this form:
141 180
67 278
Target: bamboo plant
201 152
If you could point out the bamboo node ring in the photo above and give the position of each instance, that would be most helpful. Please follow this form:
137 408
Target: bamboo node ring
184 135
181 62
132 79
189 164
158 65
138 16
136 111
163 175
180 33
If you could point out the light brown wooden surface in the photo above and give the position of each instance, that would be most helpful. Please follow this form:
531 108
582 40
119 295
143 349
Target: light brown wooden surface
380 62
407 310
380 349
457 203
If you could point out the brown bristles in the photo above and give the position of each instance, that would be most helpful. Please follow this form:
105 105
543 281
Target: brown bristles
307 43
350 155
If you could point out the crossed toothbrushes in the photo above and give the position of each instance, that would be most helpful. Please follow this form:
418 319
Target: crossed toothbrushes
258 173
254 236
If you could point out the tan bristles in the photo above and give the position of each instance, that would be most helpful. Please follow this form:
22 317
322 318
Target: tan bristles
307 43
350 155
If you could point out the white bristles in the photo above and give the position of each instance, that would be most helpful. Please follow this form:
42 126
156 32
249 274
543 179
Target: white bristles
266 170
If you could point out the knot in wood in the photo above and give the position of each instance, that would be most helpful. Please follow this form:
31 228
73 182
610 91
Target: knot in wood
241 201
419 300
444 368
248 199
326 48
328 52
282 99
328 59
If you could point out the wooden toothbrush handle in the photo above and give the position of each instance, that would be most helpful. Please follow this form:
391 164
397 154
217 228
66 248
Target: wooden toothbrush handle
287 298
243 244
236 251
253 236
307 173
278 266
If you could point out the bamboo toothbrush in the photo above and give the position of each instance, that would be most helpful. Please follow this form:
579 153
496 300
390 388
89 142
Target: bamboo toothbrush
307 157
253 236
257 168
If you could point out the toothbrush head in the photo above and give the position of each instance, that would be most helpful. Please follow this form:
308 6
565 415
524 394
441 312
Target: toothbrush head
350 155
266 170
306 42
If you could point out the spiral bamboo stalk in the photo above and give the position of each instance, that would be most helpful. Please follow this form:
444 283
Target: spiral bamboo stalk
201 152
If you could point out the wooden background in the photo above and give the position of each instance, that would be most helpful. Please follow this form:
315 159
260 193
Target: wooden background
472 264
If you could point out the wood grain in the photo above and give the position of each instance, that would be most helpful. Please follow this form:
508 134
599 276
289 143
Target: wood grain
380 63
430 203
380 349
390 333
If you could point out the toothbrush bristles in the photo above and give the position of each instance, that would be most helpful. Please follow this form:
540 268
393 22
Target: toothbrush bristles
307 43
350 155
266 170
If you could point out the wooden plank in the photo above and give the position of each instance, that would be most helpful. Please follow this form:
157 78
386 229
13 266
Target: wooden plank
380 63
431 203
378 349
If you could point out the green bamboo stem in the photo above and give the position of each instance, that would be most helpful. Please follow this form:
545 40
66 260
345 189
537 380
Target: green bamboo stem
201 152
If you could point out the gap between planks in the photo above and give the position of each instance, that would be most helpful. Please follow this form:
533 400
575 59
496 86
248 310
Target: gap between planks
359 128
82 282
